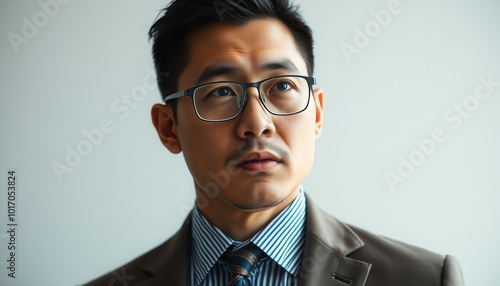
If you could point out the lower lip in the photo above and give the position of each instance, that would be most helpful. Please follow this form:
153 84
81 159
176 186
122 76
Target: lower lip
259 166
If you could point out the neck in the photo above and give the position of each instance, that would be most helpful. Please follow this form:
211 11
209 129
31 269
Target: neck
239 224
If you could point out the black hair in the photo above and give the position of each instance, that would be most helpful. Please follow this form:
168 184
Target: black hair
181 17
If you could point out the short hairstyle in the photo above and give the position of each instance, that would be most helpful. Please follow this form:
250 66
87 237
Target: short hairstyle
181 17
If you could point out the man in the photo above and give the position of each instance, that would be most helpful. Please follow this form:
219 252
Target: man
241 106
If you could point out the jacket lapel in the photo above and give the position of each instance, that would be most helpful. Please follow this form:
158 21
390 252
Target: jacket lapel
170 264
328 241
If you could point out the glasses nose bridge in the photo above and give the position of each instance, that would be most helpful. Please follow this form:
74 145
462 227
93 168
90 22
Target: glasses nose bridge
257 85
246 86
245 98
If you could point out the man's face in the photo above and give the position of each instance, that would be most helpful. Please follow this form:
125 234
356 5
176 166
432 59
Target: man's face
256 160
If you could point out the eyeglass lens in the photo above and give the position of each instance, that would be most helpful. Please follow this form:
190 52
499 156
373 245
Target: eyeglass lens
224 100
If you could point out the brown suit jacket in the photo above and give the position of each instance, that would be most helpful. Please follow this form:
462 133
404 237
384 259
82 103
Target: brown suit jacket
335 255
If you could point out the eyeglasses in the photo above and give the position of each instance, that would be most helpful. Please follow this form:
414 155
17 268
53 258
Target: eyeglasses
224 100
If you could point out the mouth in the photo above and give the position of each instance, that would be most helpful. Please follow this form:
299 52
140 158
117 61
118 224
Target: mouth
259 162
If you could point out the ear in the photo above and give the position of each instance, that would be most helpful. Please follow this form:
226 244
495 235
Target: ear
319 102
163 120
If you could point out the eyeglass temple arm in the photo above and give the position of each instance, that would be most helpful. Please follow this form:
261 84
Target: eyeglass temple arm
312 80
172 96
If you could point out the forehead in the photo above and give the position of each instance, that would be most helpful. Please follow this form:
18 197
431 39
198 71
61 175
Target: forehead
247 48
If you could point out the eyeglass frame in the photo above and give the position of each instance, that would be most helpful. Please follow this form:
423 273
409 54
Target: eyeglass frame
190 92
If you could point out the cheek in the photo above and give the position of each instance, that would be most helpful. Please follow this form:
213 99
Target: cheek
298 132
204 147
194 137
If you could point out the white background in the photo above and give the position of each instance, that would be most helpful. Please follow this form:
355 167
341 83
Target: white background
130 194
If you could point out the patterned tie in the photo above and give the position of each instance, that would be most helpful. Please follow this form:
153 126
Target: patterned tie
241 262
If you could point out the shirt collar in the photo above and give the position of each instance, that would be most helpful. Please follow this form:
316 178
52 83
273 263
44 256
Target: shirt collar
282 239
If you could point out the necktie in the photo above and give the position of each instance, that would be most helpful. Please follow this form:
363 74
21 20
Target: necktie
241 263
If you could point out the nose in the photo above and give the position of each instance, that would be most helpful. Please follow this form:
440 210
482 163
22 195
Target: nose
254 120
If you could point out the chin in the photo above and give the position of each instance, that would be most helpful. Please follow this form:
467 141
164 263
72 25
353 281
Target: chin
260 196
250 206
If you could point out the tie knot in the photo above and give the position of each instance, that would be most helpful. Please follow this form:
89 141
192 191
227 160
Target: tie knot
241 261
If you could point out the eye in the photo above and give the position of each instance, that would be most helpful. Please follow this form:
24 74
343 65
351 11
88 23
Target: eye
222 91
282 86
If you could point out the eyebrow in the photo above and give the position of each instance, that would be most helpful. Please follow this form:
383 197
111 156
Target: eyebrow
218 70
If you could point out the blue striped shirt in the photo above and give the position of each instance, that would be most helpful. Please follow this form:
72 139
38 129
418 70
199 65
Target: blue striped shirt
283 240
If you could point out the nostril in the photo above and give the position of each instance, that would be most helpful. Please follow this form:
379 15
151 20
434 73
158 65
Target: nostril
251 134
